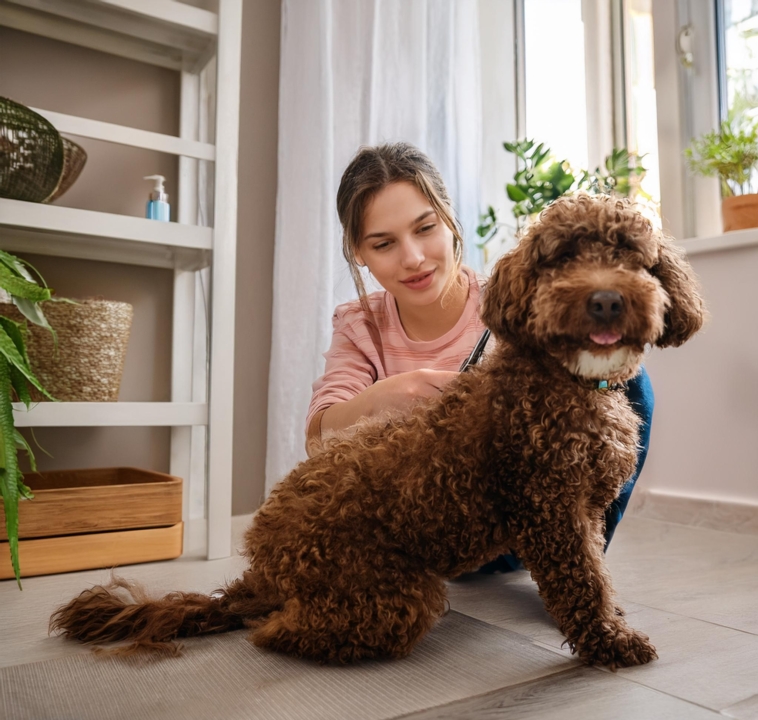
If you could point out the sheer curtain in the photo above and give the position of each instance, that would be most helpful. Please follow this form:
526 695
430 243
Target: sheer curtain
356 72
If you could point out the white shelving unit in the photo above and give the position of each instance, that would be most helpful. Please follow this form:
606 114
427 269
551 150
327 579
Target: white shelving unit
192 41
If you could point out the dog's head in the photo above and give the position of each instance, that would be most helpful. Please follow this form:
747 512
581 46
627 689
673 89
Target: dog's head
592 282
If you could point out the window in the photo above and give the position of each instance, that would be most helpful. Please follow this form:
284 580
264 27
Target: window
556 107
640 96
739 59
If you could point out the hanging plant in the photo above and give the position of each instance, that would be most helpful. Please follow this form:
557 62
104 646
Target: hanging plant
15 377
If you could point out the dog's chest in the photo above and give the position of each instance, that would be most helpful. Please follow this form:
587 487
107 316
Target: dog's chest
584 437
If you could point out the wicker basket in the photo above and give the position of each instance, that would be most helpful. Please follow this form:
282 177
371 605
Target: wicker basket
74 159
36 163
92 341
31 154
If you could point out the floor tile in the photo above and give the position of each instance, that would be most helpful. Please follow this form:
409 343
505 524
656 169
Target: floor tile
698 572
577 694
507 600
745 710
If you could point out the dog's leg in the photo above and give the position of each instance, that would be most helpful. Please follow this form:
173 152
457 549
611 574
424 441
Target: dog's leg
569 568
366 624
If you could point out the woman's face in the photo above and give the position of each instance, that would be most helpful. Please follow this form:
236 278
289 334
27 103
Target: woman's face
406 245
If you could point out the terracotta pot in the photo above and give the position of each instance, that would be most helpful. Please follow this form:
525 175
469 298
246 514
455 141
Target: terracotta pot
740 212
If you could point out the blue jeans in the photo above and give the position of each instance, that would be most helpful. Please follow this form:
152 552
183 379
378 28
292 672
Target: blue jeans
639 390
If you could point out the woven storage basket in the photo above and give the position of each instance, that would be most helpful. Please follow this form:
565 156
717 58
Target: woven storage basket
74 159
92 341
31 154
36 163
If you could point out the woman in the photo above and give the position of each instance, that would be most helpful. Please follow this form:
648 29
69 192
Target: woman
408 341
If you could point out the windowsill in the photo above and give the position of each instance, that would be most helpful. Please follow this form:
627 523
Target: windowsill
717 243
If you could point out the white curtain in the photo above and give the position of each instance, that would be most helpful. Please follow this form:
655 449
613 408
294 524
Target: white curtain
356 72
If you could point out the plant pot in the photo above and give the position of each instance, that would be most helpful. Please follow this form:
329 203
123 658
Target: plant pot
89 361
740 212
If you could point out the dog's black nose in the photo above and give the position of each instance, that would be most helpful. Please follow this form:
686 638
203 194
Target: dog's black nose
605 305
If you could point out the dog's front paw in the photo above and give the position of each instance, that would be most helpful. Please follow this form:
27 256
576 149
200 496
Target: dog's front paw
621 647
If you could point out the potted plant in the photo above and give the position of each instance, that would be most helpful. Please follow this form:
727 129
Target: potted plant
541 179
731 154
621 175
15 377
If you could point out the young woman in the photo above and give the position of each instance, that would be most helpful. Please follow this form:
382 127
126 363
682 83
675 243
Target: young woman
394 346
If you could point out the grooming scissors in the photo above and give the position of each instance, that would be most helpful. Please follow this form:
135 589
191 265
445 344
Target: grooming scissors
476 353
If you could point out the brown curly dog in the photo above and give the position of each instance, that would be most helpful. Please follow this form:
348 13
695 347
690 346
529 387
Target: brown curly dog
349 554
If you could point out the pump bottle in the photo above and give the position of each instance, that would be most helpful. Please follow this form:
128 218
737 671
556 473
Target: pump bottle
157 206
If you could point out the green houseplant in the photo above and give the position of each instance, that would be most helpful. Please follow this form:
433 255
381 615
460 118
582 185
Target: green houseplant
731 154
541 179
15 376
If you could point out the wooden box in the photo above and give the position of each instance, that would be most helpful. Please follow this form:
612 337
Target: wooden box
85 519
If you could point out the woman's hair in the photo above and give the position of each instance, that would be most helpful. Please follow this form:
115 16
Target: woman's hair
373 169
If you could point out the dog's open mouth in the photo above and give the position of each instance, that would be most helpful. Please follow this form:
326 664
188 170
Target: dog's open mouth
605 338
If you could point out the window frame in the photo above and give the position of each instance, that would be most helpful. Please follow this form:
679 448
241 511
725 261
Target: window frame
688 101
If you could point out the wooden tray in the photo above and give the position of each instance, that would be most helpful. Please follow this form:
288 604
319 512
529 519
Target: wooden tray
95 550
73 502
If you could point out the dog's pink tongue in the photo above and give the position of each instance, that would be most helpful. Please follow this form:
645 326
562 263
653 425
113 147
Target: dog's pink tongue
605 338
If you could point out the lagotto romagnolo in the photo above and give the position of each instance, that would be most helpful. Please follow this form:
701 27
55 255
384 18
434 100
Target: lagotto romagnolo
349 554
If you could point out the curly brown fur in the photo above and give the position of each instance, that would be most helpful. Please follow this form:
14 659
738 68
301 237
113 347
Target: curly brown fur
349 554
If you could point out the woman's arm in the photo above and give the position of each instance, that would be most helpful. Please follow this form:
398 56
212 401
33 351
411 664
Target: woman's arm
396 393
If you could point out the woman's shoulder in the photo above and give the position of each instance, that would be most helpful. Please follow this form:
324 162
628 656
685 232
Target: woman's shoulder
353 311
476 279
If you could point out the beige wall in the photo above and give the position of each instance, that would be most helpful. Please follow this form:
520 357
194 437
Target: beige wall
65 78
259 114
705 426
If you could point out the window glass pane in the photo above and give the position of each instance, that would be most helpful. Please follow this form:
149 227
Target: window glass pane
741 55
641 113
556 112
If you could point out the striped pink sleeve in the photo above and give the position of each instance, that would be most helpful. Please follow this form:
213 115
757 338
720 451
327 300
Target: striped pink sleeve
348 370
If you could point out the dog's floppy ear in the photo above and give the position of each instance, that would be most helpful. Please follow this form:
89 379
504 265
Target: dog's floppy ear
686 312
506 296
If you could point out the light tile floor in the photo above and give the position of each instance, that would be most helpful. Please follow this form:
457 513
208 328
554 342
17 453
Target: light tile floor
693 590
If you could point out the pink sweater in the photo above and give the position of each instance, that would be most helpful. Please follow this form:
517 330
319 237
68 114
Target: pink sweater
365 350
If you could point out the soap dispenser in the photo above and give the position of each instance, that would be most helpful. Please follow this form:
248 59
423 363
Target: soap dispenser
157 206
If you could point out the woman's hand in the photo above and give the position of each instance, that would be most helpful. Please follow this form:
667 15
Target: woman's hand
399 392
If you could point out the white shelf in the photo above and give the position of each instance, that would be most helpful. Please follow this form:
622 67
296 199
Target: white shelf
171 12
728 241
69 232
160 32
115 414
206 48
122 135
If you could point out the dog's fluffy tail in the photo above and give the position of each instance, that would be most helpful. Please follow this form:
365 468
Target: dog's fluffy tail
123 611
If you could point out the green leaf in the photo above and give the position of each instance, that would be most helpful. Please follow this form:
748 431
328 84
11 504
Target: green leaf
18 381
515 193
10 476
16 265
21 444
8 349
20 287
16 333
32 312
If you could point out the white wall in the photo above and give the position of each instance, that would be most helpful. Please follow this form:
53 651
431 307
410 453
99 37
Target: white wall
705 426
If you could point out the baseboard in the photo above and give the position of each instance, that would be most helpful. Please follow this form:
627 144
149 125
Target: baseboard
716 514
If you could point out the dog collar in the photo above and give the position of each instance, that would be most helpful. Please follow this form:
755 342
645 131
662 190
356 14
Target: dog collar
605 386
